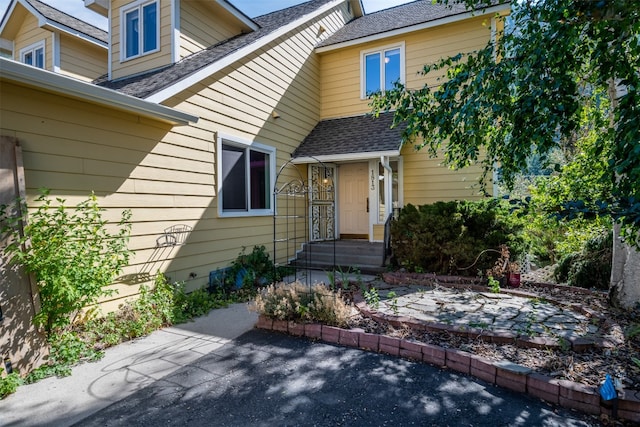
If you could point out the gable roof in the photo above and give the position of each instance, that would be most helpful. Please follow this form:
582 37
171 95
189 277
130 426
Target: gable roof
62 85
356 137
163 83
400 19
48 15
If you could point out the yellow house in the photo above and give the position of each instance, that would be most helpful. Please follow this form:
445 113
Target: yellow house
34 33
260 101
375 174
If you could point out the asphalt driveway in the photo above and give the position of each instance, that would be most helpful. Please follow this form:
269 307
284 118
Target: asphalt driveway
267 379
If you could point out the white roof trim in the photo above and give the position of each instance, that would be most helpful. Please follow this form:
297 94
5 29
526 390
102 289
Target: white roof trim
67 86
42 22
330 158
238 14
412 28
210 69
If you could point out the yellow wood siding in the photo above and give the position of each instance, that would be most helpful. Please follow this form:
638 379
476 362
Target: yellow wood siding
82 60
201 28
168 176
340 69
145 62
31 33
427 180
131 162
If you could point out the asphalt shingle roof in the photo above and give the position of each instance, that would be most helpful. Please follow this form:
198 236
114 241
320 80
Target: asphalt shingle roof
60 17
147 84
395 18
348 135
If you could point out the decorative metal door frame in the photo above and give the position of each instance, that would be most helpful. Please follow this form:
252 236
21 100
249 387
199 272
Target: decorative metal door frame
322 200
293 203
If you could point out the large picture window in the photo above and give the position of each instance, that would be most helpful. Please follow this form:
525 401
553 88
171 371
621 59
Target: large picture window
33 55
140 29
381 69
246 177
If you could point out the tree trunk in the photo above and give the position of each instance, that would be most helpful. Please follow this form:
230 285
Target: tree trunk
624 290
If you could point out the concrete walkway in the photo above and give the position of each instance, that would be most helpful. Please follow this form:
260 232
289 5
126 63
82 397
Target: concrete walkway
125 369
212 372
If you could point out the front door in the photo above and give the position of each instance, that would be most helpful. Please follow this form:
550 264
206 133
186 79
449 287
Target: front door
354 204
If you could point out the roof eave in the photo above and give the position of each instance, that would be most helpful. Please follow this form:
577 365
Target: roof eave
332 158
67 86
425 25
183 84
238 14
53 25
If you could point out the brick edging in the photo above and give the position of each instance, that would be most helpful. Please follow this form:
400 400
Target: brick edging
505 374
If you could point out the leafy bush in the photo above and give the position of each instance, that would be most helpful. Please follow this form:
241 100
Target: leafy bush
450 237
162 305
71 252
591 267
298 302
9 384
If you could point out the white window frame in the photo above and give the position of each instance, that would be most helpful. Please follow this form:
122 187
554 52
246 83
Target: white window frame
247 146
124 10
381 50
32 48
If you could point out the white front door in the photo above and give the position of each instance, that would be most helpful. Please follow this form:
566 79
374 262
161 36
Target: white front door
354 204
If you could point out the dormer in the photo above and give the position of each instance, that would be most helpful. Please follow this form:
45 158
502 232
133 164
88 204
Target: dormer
146 35
34 33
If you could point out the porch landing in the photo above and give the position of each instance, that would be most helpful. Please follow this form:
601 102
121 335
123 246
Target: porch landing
365 256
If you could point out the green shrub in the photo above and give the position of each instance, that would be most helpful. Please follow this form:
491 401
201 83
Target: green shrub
72 253
9 384
450 237
298 302
591 267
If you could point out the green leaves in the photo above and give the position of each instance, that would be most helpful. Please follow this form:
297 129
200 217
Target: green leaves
558 62
73 253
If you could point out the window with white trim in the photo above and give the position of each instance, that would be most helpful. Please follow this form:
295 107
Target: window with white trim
33 55
140 29
246 176
381 68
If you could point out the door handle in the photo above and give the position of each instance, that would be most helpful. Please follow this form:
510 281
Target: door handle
367 205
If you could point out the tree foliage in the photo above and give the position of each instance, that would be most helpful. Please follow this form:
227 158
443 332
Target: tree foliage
531 88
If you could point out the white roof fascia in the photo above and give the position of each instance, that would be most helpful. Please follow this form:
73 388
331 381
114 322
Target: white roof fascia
238 14
332 158
63 28
47 80
412 28
210 69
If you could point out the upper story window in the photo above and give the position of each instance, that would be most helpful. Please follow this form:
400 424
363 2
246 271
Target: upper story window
246 175
140 28
381 68
33 55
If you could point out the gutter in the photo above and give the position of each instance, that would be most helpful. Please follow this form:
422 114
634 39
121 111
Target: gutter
329 158
66 86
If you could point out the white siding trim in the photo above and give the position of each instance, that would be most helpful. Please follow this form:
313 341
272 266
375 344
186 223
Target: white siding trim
55 52
332 158
67 86
418 27
175 30
241 142
201 74
110 48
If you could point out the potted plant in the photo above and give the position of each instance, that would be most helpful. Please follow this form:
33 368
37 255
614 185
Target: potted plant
505 271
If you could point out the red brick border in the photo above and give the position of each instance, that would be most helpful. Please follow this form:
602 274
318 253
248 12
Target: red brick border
505 374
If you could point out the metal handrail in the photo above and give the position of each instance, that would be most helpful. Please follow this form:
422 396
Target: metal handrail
386 250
